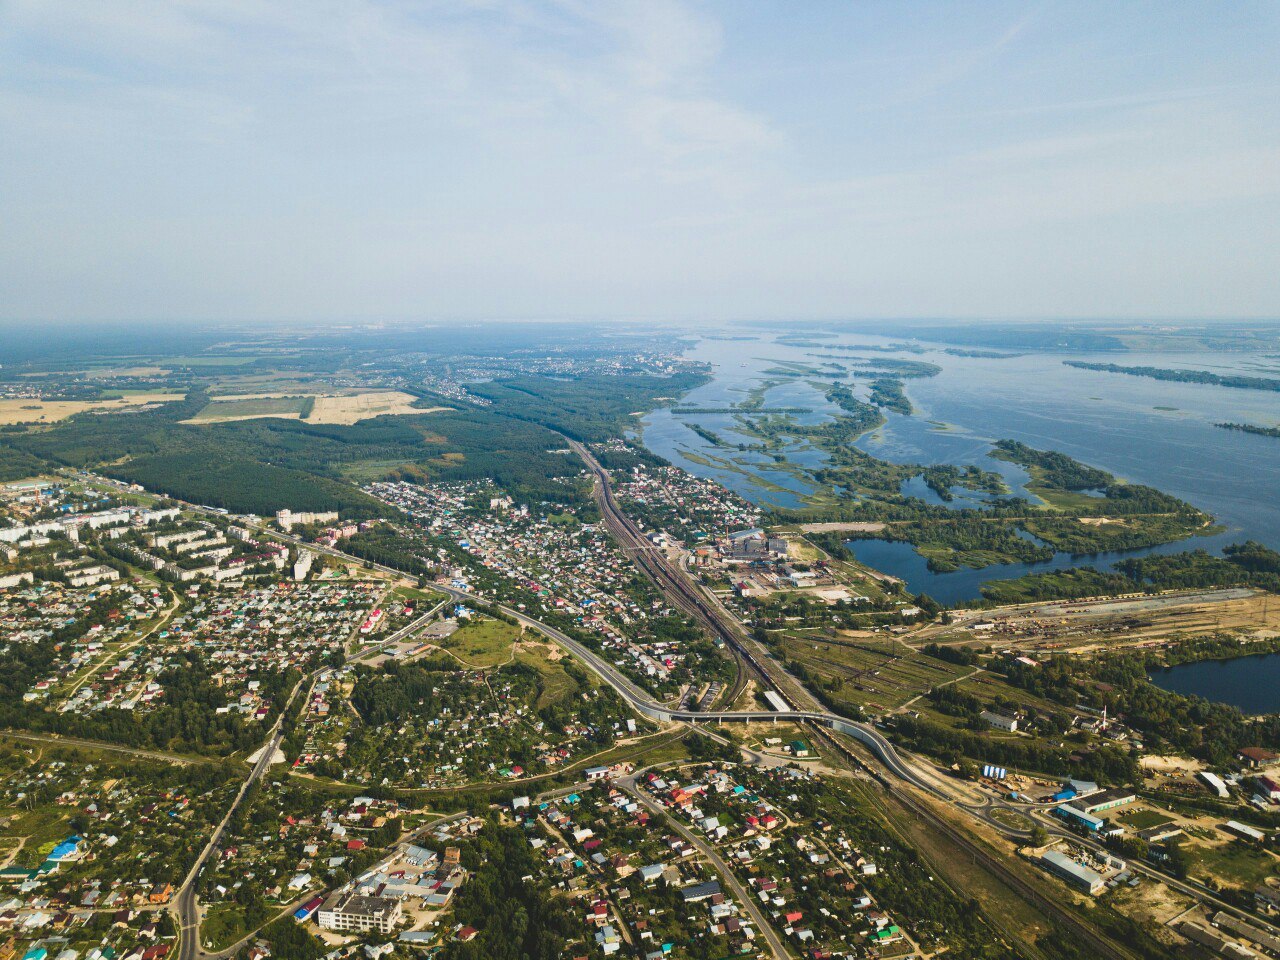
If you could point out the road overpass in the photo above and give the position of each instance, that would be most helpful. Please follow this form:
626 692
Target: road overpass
678 587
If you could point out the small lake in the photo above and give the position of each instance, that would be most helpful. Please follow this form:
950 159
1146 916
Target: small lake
1251 684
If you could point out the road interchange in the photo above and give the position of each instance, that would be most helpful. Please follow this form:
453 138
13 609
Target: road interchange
680 589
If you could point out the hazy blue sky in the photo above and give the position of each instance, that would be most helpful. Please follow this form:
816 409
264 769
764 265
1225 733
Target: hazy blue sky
583 158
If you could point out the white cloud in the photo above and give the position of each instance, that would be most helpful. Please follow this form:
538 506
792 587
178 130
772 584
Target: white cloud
368 157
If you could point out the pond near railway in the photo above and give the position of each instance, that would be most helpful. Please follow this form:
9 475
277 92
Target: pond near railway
1250 683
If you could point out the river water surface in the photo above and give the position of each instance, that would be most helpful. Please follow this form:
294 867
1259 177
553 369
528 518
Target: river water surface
1147 431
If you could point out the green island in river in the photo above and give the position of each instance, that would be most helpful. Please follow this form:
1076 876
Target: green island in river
1182 376
1251 428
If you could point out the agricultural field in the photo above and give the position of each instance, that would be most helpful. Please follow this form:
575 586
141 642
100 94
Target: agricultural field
345 409
253 407
28 410
364 406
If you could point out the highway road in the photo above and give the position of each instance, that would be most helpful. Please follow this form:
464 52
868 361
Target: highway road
676 584
640 700
186 905
186 902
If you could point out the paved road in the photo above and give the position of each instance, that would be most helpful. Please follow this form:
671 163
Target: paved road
713 857
879 746
772 676
763 665
186 904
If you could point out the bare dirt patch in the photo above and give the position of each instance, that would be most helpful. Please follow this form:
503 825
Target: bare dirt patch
1168 764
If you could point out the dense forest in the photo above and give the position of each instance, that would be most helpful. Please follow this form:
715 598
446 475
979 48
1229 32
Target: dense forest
890 395
260 466
234 465
386 544
1054 469
18 464
588 408
515 919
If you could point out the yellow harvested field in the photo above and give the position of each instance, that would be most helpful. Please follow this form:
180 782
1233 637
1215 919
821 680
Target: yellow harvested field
363 406
342 409
50 411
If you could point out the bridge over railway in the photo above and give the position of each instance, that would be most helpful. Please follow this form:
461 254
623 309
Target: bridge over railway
680 589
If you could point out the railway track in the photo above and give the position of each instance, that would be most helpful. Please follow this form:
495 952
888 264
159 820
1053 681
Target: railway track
676 585
680 590
980 854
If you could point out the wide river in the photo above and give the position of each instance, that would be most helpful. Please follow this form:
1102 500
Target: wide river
1148 431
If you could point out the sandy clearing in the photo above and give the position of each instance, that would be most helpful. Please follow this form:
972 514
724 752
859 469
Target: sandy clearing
49 411
1168 764
866 527
247 416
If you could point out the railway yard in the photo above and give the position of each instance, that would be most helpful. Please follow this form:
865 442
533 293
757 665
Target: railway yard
1087 626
